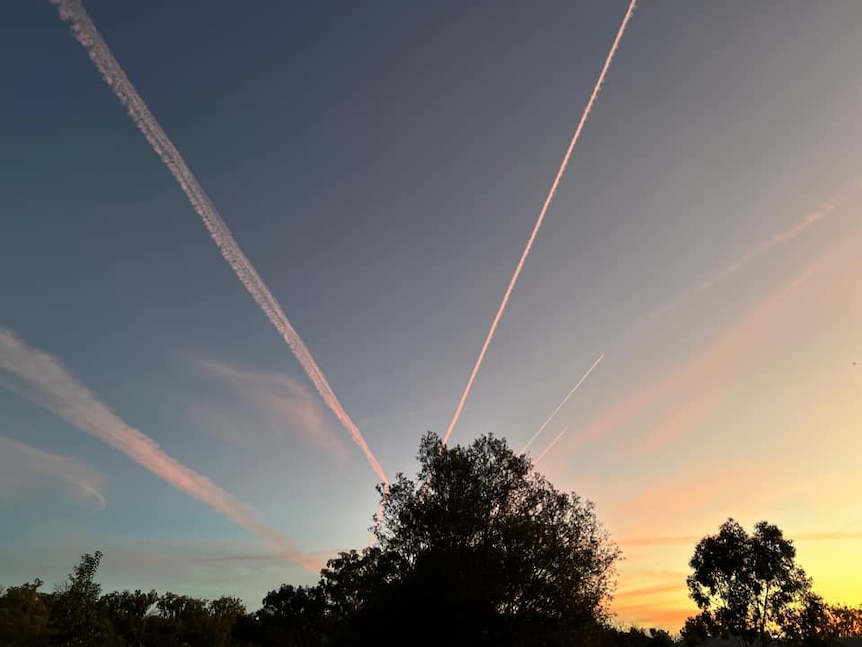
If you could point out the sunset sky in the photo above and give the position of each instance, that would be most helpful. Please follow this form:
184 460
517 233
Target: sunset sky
381 166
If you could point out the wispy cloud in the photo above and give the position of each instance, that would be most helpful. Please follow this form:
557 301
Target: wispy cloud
21 465
651 615
73 12
280 404
42 379
648 591
561 405
540 219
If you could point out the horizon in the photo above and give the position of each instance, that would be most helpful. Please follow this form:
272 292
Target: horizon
680 347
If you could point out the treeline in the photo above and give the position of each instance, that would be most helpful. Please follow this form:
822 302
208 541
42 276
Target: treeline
477 550
77 614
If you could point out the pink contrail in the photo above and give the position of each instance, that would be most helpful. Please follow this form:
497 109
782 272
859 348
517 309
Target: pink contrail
41 378
782 237
540 219
548 448
73 12
561 405
821 212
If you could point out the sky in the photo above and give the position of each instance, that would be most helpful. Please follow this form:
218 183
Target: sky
381 166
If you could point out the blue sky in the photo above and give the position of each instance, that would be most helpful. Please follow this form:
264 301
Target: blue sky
382 166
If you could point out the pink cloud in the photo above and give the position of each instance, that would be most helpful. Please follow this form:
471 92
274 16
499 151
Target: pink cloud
655 615
41 379
280 404
679 421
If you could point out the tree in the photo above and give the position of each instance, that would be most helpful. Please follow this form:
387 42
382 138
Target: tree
76 615
291 615
845 621
747 585
698 629
127 611
24 615
807 624
182 620
488 544
223 613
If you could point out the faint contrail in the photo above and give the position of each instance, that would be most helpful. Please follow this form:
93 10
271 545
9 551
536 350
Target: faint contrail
73 12
18 455
548 448
821 212
561 405
41 378
782 237
541 217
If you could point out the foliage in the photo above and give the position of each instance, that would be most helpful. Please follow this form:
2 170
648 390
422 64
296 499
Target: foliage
845 621
77 618
127 613
482 540
750 587
24 615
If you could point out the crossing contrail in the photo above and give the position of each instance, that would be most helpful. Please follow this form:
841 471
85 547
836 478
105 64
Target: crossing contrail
43 380
548 448
73 12
540 219
561 405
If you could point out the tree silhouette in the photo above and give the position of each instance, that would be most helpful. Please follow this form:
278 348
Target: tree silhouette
128 612
747 586
845 621
24 615
488 545
77 618
488 553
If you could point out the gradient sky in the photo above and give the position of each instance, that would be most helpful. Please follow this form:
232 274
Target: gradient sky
382 166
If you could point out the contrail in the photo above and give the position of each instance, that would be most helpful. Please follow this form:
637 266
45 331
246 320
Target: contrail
561 405
73 12
548 448
41 378
541 218
820 213
18 455
777 239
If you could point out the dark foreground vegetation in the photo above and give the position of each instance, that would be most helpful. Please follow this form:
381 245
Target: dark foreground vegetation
478 550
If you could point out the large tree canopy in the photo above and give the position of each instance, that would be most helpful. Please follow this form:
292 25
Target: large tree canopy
749 585
481 540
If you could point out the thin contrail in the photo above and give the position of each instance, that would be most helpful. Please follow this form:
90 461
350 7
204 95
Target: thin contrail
548 448
73 12
41 378
541 218
22 456
820 213
561 405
